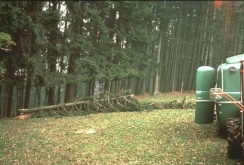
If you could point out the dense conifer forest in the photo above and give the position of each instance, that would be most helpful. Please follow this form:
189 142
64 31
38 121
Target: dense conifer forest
55 52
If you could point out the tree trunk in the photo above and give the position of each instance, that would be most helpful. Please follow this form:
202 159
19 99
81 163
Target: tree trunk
9 100
91 87
229 13
106 85
112 86
52 53
71 93
27 89
157 71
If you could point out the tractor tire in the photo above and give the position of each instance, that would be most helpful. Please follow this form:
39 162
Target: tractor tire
234 136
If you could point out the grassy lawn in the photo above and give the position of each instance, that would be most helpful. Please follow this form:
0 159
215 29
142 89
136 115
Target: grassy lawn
146 137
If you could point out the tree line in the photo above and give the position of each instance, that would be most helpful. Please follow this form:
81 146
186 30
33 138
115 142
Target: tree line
60 51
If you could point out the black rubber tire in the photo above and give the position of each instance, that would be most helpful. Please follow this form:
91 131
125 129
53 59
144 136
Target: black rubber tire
234 136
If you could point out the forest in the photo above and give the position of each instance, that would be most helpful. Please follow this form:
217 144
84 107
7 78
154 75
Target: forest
54 52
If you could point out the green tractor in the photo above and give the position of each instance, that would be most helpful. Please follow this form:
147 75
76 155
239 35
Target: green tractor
220 97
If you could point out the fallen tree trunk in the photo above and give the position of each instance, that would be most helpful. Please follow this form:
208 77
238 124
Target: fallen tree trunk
49 107
122 103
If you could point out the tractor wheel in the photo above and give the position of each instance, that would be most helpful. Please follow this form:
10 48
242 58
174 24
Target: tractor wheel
234 135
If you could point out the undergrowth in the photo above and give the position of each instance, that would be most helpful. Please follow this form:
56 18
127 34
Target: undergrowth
173 100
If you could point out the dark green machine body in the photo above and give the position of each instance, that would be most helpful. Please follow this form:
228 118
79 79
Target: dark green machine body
204 106
226 77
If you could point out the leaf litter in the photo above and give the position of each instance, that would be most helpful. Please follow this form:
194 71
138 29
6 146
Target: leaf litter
155 137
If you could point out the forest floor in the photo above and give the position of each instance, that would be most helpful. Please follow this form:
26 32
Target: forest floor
157 136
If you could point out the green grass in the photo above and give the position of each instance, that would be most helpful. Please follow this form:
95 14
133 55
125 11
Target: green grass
146 137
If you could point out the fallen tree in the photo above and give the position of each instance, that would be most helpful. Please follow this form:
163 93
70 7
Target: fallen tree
91 105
